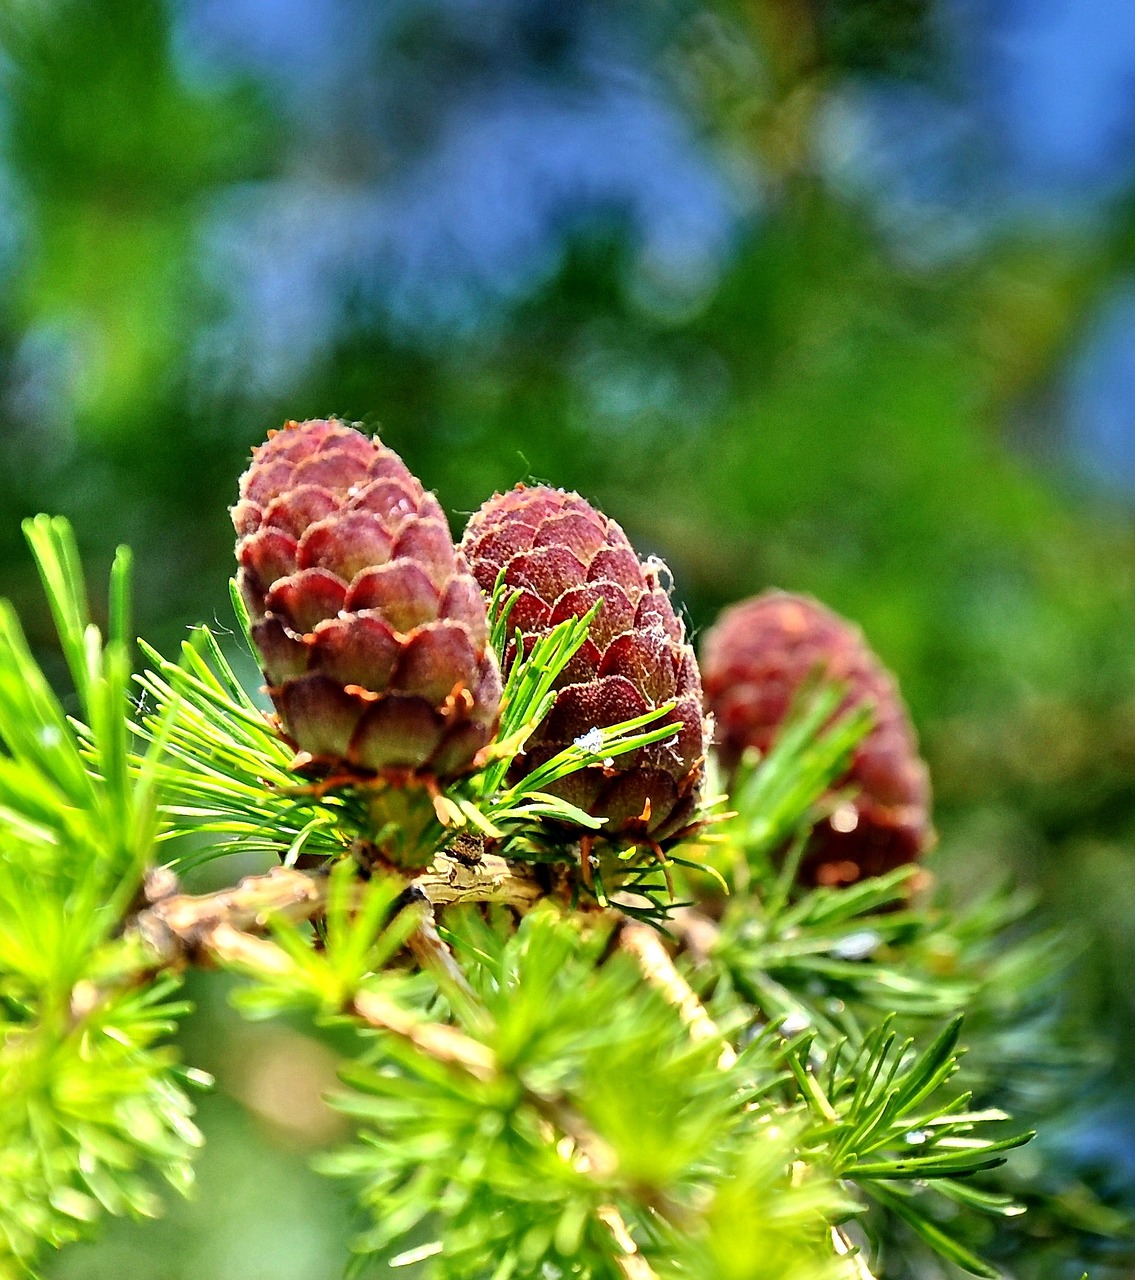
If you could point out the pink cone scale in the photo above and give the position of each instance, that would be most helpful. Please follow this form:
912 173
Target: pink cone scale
371 632
562 555
754 659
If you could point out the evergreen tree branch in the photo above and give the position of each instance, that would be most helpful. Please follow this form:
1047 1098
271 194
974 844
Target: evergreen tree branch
453 880
214 927
575 1092
643 942
432 952
851 1254
658 968
437 1040
882 1099
175 926
591 1154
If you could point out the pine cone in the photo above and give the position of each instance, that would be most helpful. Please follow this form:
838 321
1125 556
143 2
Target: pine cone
754 658
563 555
372 634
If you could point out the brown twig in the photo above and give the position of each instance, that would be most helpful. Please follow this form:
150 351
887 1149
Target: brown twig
646 946
432 952
450 881
177 924
851 1253
179 928
444 1043
630 1262
658 968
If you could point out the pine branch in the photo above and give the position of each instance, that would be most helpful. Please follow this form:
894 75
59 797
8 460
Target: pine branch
599 1090
448 1045
880 1122
186 928
660 971
215 927
646 946
92 1101
176 926
436 1040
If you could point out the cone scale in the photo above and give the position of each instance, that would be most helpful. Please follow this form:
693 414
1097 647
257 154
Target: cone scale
560 556
371 632
754 659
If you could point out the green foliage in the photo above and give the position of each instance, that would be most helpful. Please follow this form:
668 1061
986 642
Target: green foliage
879 1118
758 1225
88 1100
88 1096
861 979
526 1095
575 1040
113 169
223 769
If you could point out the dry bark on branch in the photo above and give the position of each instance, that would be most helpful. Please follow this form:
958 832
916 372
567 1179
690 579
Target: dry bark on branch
177 924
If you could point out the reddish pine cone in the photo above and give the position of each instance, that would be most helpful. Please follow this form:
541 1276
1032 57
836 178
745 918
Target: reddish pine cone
563 555
754 658
372 634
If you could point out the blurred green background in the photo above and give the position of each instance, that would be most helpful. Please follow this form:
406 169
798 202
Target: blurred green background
836 295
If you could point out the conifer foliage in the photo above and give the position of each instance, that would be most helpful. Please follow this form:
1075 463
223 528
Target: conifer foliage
674 1058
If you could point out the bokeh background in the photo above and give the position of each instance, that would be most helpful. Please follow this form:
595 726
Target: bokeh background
836 295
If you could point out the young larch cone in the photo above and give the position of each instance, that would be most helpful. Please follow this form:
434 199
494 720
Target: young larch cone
372 634
754 659
562 556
